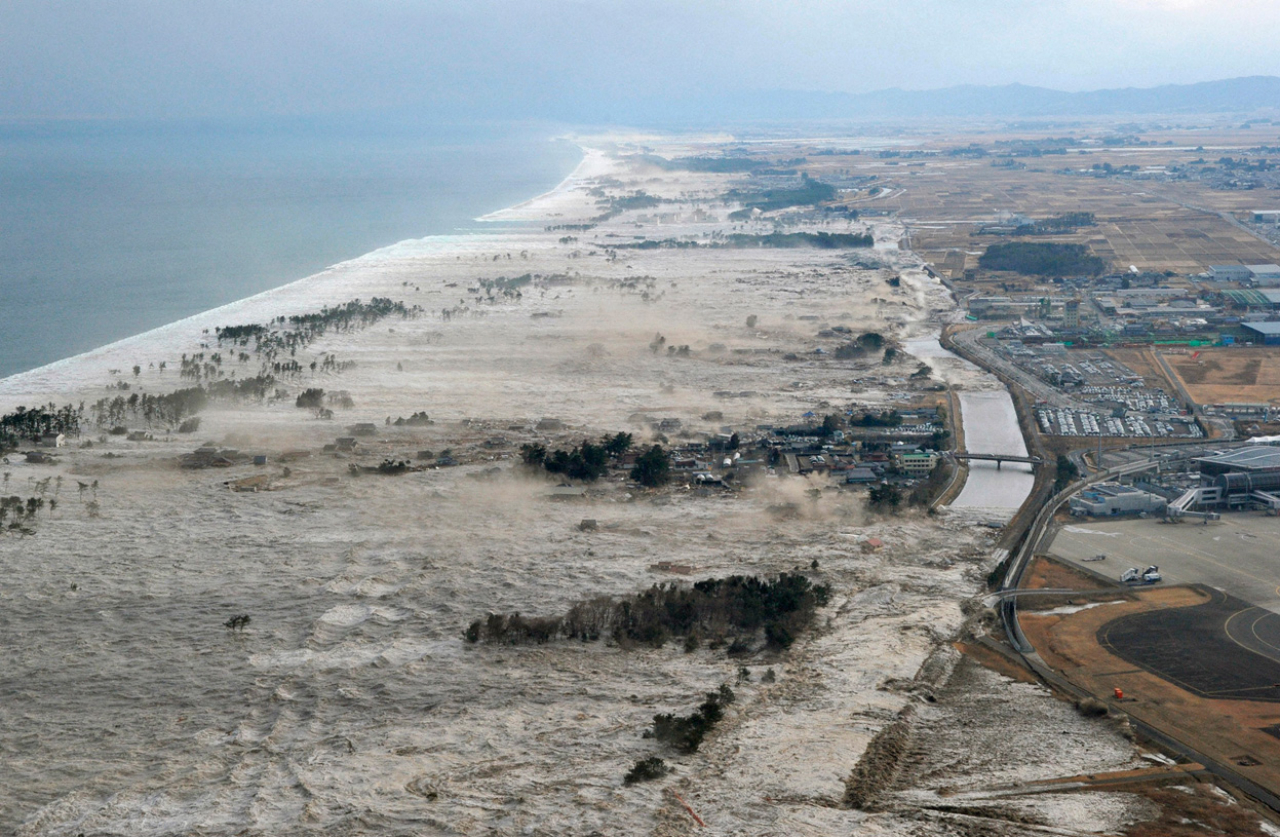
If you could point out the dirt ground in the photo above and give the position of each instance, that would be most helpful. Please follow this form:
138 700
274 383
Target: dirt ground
1142 363
1045 573
1231 730
1219 376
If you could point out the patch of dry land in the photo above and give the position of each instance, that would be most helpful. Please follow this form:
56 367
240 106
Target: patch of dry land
1218 376
134 702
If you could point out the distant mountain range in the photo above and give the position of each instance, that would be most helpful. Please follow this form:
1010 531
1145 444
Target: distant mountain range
1019 100
1012 101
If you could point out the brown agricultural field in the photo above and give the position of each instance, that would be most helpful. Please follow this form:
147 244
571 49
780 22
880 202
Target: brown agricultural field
1156 225
1218 376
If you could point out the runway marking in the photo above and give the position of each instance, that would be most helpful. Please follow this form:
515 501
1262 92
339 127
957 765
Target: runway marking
1253 629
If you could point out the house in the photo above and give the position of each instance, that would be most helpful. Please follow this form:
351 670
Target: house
53 440
364 428
346 443
36 457
859 476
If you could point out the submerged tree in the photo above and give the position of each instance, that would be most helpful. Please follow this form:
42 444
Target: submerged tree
652 468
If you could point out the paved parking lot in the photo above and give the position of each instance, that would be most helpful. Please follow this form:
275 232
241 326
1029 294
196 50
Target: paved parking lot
1239 554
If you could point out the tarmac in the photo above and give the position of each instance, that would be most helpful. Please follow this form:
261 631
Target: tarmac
1239 555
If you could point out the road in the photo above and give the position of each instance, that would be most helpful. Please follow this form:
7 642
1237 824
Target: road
1027 653
971 342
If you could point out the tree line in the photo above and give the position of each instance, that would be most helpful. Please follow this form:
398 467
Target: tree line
1042 259
714 609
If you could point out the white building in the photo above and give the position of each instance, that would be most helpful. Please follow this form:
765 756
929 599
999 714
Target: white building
1265 275
1230 273
1109 499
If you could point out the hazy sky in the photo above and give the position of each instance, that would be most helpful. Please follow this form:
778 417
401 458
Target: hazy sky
570 59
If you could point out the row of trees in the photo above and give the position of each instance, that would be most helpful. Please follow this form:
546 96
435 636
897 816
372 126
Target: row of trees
777 240
284 336
175 407
716 608
590 461
30 424
1033 258
587 462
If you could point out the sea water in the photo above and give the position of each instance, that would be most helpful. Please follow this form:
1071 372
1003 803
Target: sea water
111 229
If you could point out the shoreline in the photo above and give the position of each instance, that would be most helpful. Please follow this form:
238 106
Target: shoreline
45 378
8 382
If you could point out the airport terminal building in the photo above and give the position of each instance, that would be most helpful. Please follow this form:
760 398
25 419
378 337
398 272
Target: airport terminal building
1247 476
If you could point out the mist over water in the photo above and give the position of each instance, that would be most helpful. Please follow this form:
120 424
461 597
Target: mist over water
107 231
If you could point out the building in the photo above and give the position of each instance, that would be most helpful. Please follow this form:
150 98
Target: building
1239 477
1267 333
1230 273
1071 314
1255 460
858 476
1265 275
1110 499
917 464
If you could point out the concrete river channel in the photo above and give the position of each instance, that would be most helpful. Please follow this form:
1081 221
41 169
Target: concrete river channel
990 425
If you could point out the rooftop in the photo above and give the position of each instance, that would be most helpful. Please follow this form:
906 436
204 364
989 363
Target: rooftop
1246 459
1269 329
1112 489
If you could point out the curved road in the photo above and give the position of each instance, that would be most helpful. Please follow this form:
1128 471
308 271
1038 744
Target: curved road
1027 652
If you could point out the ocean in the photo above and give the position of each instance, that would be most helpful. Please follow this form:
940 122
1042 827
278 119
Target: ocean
108 230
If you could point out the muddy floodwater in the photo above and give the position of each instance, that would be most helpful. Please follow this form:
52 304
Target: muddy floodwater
991 426
258 628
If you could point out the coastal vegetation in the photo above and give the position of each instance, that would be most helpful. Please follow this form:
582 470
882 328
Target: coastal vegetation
738 609
1064 223
284 336
17 515
686 732
176 407
25 424
616 205
587 462
1042 259
818 240
646 770
652 468
1066 472
890 418
809 192
885 497
715 165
